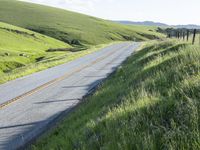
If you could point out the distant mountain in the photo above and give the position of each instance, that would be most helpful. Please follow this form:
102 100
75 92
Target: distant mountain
189 26
158 24
145 23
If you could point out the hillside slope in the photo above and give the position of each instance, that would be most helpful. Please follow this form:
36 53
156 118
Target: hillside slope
23 52
19 39
73 28
151 103
19 46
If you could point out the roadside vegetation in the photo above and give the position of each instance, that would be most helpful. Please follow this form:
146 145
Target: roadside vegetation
70 27
151 102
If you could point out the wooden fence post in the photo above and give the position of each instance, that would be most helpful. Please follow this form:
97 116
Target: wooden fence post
199 38
178 35
194 36
183 36
188 34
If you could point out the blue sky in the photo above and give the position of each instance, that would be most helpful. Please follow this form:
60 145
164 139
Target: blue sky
166 11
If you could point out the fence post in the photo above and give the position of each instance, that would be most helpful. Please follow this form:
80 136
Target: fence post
194 36
188 34
183 36
199 38
178 35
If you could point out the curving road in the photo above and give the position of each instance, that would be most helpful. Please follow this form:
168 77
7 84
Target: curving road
30 104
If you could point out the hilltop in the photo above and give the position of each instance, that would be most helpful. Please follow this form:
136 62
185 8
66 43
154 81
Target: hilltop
70 27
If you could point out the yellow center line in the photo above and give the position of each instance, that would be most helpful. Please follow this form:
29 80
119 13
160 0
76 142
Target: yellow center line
54 81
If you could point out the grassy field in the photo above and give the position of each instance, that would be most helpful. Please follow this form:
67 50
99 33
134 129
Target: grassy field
70 27
151 102
19 47
23 52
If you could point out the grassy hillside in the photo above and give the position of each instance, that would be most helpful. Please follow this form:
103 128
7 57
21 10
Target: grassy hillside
23 52
19 39
19 47
70 27
151 102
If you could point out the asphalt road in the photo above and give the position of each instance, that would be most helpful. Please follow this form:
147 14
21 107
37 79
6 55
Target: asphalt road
29 104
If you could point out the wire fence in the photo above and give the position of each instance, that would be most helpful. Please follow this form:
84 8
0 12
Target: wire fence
189 35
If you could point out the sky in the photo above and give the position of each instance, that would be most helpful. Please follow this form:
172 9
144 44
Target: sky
172 12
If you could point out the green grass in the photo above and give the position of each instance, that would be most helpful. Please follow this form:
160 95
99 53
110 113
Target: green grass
23 52
19 39
151 102
70 27
19 47
197 39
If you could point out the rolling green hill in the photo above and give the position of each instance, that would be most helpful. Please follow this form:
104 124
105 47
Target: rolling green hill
26 28
19 47
19 39
23 52
70 27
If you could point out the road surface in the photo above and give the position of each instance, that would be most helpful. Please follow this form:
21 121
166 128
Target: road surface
30 104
